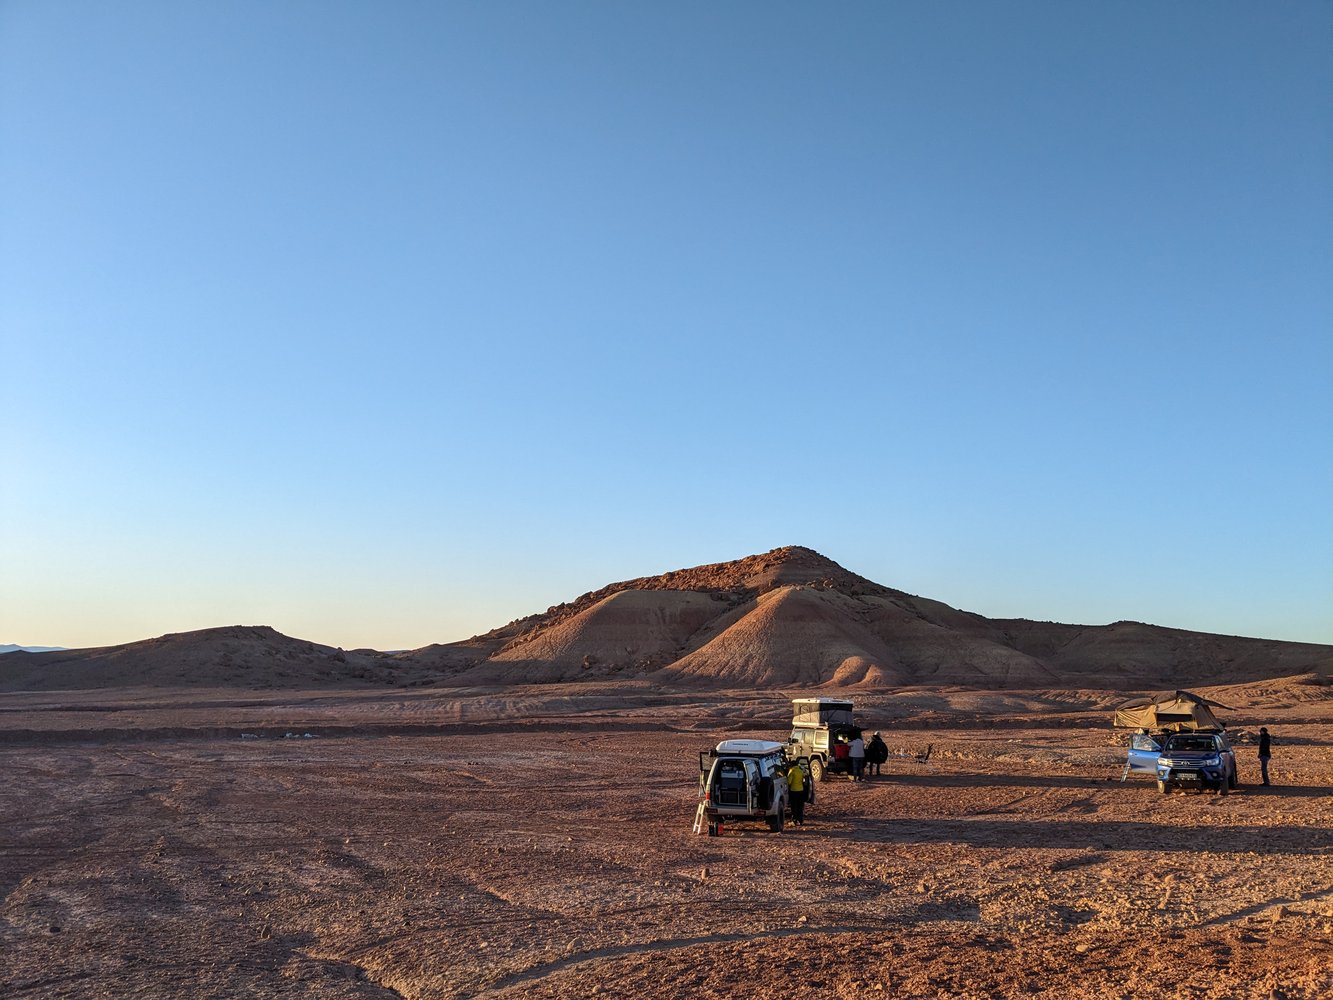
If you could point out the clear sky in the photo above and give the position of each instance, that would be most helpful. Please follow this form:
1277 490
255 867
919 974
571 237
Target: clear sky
387 323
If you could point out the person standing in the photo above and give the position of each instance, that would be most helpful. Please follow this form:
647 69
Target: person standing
1265 752
876 754
796 791
858 755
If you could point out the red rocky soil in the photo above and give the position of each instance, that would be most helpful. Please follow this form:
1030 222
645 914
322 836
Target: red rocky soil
536 843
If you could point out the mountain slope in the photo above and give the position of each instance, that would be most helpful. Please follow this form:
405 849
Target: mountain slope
793 617
232 656
785 618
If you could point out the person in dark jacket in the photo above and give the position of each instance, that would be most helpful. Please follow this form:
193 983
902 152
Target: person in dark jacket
876 754
1265 752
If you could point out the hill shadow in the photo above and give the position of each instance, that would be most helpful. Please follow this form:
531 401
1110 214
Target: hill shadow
1107 780
1084 834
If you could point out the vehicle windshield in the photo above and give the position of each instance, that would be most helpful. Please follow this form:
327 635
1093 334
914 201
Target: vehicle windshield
1191 744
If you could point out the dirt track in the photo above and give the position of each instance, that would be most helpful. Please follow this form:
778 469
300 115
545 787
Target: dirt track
424 851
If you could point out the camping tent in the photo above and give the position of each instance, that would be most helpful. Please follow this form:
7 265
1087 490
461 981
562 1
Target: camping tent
815 712
1173 710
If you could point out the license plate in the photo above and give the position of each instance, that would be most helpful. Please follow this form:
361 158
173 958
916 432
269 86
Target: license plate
1188 775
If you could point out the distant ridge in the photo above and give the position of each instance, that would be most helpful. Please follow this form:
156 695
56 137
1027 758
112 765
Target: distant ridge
10 648
786 618
232 656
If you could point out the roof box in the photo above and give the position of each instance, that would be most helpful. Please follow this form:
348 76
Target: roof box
750 748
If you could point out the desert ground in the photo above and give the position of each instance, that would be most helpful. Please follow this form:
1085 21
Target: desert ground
536 842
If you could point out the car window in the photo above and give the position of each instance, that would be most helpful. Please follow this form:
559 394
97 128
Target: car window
1142 741
1192 744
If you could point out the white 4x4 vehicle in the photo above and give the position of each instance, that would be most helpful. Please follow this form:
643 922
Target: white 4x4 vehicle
745 779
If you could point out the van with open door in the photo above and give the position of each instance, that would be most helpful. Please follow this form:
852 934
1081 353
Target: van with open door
744 780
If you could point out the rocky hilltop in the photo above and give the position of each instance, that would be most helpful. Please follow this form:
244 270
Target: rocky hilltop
795 617
789 617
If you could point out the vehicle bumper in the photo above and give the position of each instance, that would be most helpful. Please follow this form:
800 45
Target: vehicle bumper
1193 777
730 815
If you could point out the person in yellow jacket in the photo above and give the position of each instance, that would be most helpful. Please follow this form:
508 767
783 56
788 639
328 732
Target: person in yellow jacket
796 788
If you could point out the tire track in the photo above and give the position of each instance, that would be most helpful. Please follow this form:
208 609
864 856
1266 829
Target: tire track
545 971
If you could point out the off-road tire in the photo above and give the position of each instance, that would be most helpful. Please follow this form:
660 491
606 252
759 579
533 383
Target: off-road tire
1233 780
775 823
817 772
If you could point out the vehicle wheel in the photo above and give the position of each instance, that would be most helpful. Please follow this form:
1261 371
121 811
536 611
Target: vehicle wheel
712 829
1161 787
1233 780
775 823
817 769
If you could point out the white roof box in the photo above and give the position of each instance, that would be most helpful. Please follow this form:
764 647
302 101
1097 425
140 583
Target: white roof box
750 748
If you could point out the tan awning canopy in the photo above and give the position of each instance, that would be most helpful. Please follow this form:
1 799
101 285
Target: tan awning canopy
1174 710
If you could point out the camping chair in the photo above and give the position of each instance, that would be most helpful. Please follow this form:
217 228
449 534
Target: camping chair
919 756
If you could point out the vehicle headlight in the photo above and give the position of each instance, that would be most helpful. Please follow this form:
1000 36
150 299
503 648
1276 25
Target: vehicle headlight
1164 763
1213 761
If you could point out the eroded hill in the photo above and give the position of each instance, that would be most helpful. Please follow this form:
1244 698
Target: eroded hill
789 617
794 617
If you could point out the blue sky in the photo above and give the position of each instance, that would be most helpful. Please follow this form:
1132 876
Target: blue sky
385 324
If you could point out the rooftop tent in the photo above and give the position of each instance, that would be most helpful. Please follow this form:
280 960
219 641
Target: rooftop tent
821 712
1174 710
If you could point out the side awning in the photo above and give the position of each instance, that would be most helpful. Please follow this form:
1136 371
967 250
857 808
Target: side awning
1173 710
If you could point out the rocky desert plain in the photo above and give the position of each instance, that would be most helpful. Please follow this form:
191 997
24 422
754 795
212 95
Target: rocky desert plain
236 813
